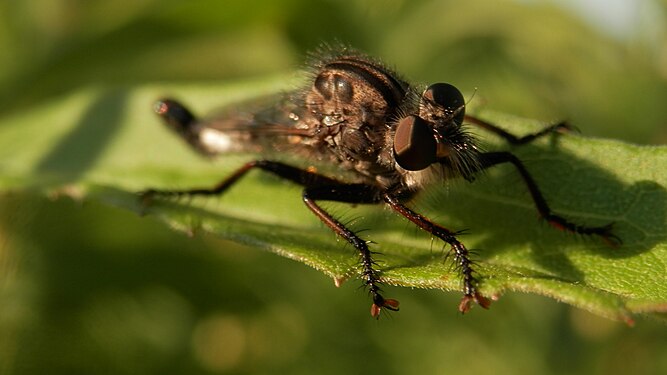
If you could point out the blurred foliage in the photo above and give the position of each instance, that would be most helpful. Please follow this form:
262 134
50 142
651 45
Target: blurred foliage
531 59
90 289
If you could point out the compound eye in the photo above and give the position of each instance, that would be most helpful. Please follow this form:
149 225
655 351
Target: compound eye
414 144
447 97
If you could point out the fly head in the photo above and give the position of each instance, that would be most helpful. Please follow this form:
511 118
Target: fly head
436 135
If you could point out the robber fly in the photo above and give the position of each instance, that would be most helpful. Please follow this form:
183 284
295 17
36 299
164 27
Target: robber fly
393 138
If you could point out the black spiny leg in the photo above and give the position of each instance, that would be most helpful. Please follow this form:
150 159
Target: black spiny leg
461 254
296 175
511 138
490 159
317 187
352 193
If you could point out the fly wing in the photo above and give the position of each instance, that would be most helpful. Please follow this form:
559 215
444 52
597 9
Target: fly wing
266 126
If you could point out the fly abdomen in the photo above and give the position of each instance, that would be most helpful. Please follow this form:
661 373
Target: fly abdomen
177 118
235 131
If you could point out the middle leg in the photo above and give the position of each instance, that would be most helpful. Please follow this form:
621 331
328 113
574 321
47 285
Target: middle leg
461 254
352 193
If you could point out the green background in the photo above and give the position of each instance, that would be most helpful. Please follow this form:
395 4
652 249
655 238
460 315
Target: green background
92 289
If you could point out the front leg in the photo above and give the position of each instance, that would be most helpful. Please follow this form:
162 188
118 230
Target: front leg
490 159
513 139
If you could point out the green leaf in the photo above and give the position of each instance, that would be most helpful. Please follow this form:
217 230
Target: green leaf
106 145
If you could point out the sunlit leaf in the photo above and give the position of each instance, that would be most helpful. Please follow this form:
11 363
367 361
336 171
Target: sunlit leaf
105 146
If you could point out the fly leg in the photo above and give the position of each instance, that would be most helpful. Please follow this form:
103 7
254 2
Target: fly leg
316 187
490 159
511 138
299 176
461 254
352 193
